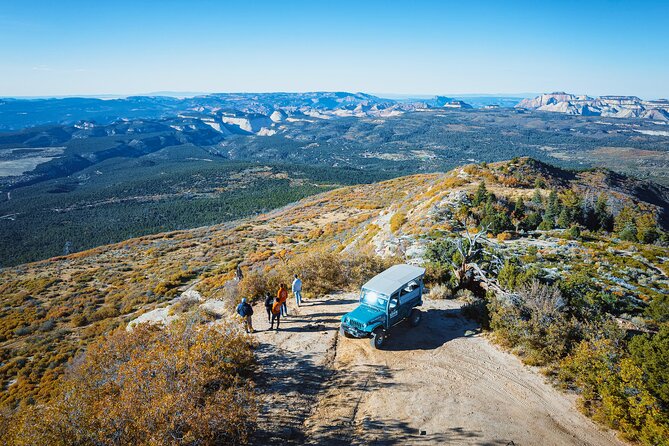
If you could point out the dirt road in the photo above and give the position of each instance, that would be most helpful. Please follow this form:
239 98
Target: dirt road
439 383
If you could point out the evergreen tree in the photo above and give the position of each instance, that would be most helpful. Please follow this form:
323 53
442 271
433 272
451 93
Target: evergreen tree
532 221
602 214
647 231
481 194
624 225
519 208
537 198
564 219
551 213
496 220
546 224
553 205
589 219
518 213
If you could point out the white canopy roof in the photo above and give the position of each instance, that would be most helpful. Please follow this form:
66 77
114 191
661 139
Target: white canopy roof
394 278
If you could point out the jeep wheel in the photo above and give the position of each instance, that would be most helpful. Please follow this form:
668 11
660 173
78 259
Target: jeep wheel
344 333
415 317
378 338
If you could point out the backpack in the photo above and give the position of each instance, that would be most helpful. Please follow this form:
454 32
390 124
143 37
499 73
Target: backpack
241 310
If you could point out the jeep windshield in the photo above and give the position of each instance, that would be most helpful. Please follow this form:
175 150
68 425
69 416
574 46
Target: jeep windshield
373 299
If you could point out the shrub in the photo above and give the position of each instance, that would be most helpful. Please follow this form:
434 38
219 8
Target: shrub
185 384
658 310
625 389
440 291
47 325
79 320
397 220
511 276
503 236
104 313
437 273
574 232
183 306
256 285
322 271
537 321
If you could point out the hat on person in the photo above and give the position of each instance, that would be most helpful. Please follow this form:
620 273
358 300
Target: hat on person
243 300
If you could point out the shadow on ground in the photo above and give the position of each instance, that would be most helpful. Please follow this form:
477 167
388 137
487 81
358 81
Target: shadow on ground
436 328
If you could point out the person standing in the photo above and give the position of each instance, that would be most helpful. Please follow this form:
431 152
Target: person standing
276 314
297 290
269 301
246 311
282 296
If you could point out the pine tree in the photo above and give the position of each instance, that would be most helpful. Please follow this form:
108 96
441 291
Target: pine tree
624 224
647 231
537 198
564 219
602 214
481 194
552 211
519 208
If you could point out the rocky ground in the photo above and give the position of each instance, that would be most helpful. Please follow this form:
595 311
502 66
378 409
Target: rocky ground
439 383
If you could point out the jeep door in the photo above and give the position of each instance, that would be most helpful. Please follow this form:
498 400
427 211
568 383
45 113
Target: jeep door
394 309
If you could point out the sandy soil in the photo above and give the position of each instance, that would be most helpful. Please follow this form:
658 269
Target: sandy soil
439 383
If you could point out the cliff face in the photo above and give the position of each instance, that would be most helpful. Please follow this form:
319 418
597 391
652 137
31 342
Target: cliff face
607 106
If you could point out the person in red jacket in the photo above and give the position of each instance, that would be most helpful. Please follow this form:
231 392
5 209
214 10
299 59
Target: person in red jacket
282 296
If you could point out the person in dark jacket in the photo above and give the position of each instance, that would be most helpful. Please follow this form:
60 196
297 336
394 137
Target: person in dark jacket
269 301
246 311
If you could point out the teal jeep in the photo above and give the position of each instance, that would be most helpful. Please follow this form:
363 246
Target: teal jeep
386 300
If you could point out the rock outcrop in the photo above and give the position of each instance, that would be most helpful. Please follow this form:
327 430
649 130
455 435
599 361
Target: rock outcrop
607 106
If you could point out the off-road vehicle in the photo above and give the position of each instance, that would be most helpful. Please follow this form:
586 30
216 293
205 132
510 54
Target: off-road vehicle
386 300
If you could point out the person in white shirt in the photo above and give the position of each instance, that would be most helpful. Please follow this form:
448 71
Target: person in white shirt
297 290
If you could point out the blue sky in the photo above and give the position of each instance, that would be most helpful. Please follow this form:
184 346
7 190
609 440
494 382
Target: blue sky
410 47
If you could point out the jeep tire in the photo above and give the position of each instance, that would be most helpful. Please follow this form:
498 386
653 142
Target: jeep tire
378 338
415 317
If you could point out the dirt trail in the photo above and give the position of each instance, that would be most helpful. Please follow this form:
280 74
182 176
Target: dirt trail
439 383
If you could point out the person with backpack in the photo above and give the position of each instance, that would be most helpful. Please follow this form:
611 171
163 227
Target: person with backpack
282 296
297 290
269 301
246 311
276 314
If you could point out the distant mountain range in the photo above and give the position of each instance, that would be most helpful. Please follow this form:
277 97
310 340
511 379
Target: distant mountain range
244 110
607 106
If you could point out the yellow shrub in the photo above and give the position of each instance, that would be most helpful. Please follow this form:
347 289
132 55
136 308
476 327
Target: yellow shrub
503 236
148 387
397 220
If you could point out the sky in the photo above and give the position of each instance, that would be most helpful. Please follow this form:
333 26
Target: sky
595 47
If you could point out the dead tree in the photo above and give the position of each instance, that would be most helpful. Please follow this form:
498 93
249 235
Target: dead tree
467 265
